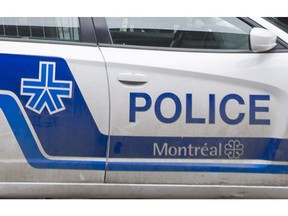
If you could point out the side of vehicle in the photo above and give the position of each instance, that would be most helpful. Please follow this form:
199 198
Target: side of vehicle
111 113
54 134
220 111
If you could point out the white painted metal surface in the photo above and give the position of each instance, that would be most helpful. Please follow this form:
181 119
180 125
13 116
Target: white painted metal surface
182 94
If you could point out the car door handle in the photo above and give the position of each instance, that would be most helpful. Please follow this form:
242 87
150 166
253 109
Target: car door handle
133 78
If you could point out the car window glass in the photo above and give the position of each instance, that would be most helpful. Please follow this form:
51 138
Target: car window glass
281 22
180 32
48 28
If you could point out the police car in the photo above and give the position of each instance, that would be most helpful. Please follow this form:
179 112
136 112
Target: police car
143 107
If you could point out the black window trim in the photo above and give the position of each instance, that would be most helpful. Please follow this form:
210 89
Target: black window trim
87 32
102 31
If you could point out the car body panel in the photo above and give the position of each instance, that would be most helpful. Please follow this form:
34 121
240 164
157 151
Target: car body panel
37 128
86 120
232 74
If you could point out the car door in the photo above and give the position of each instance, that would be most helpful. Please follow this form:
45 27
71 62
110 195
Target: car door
191 104
54 101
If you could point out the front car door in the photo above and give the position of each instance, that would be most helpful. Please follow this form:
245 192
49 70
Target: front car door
191 104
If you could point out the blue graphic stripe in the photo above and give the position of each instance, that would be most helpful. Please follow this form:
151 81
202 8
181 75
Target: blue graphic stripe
37 93
56 93
248 148
52 83
197 167
51 90
201 148
45 99
26 76
28 144
37 83
28 84
189 167
56 100
35 158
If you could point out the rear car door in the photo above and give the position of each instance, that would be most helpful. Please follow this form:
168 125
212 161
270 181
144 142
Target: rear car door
191 104
54 103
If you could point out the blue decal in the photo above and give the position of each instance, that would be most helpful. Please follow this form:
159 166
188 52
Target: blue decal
254 109
228 148
46 91
28 144
269 149
46 85
189 118
134 108
178 108
223 104
211 109
188 112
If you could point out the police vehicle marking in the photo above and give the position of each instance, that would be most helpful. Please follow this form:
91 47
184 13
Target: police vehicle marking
46 91
63 148
57 132
188 108
11 107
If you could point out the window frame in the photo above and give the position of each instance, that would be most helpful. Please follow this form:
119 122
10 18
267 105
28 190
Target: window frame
105 40
86 33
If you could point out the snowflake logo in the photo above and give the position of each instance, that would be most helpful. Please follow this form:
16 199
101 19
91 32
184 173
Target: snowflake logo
46 91
234 149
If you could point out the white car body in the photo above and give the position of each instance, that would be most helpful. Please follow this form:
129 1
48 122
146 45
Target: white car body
161 123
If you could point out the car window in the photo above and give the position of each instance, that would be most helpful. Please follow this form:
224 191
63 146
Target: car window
48 28
180 32
281 22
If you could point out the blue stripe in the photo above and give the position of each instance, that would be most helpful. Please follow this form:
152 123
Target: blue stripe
29 146
37 93
198 167
55 84
194 167
215 148
55 93
35 158
70 133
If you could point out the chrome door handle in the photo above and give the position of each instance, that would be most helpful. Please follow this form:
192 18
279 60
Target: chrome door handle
132 78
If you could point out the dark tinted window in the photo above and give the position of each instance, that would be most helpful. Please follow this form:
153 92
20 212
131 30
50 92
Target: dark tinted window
281 22
49 28
182 32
